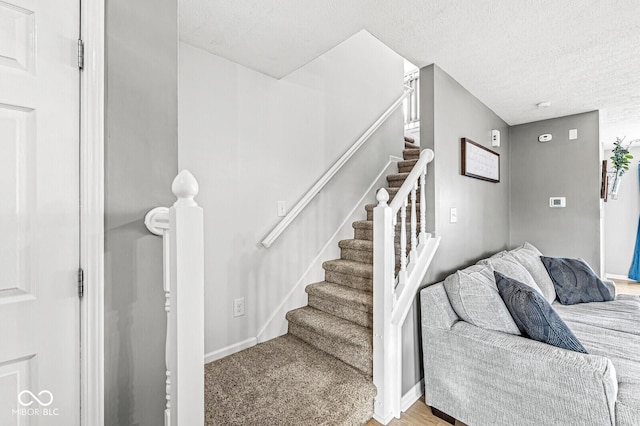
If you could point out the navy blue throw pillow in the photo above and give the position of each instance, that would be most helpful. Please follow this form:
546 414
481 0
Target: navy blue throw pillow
575 281
534 316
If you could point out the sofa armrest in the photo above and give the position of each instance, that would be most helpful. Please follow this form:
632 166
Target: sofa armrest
487 377
611 286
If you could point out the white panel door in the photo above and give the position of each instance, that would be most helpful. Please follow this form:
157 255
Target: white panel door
39 219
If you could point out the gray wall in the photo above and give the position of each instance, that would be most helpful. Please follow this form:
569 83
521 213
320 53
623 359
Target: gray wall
448 113
141 157
562 168
621 220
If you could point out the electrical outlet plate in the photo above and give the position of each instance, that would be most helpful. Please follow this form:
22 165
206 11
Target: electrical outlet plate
557 202
238 307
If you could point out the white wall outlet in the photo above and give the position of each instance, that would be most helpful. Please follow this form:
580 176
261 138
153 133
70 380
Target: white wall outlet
238 307
453 215
557 202
573 134
282 208
495 138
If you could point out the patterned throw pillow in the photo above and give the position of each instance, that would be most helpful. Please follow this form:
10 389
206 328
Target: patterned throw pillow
534 316
575 281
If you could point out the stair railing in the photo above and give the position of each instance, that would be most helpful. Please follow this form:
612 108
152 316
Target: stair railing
397 276
328 175
411 106
181 228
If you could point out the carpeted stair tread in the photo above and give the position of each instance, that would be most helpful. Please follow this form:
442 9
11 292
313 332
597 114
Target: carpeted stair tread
357 299
331 326
409 163
411 153
397 176
288 382
368 224
349 280
409 145
409 139
349 267
356 245
393 191
343 339
343 302
369 209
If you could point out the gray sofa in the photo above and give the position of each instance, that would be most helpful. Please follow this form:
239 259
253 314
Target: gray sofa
481 372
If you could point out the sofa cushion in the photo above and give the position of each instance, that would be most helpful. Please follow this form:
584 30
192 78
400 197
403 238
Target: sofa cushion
575 282
621 314
529 257
507 265
474 297
534 316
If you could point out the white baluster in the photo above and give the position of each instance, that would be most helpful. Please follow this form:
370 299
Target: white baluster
423 208
402 276
166 240
414 225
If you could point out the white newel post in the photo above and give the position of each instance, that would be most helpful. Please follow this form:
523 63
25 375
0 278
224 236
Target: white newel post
187 304
386 359
181 228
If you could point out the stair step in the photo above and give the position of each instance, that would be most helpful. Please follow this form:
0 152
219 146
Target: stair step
369 209
395 180
349 267
411 153
356 250
393 191
349 342
363 229
343 302
406 165
410 145
348 280
409 139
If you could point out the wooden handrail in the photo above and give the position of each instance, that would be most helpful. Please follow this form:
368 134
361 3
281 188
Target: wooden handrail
317 187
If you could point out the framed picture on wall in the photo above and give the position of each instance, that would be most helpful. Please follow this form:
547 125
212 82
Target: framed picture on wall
479 162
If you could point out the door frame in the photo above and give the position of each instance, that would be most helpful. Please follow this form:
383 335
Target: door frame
92 109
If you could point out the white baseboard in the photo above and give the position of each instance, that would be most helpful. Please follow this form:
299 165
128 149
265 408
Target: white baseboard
412 396
229 350
276 325
618 277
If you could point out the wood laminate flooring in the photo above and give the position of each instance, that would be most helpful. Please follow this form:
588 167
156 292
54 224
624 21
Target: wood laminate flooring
418 414
627 287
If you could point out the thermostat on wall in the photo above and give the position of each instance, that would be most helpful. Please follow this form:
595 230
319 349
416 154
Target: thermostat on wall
557 202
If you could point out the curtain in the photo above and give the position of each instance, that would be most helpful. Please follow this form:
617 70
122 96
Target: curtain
634 272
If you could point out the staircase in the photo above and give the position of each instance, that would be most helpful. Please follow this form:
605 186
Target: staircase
339 316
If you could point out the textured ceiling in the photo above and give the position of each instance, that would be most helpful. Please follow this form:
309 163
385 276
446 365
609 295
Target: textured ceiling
580 55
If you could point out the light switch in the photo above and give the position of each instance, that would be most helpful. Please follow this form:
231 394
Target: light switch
282 208
453 215
573 134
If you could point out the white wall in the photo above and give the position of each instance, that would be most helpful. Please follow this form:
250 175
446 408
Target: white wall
621 220
251 140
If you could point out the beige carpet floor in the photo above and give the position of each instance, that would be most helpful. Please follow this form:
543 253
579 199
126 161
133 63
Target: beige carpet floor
285 381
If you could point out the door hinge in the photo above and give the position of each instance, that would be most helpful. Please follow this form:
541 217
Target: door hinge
80 54
80 283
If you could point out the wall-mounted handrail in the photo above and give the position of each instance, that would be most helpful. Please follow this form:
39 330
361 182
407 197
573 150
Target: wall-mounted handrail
181 228
317 187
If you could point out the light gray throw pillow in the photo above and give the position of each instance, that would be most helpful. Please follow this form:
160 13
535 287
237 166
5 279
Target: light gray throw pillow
474 297
529 257
509 266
